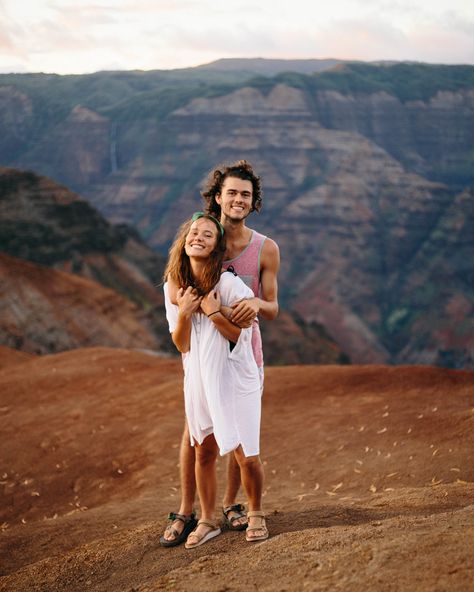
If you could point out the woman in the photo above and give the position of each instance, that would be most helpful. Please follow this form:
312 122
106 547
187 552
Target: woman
221 380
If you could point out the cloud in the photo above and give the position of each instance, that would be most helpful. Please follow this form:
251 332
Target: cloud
6 44
69 36
441 45
349 39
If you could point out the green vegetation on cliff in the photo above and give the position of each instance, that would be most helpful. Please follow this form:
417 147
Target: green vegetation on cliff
137 94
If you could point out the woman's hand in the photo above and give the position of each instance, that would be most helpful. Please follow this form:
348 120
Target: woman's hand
188 301
211 302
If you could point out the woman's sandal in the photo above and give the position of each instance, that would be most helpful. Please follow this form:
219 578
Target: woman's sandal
189 523
239 511
262 527
201 539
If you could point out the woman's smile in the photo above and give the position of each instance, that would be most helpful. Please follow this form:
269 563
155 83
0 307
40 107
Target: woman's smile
202 238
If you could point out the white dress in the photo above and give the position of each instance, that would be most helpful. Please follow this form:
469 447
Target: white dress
222 392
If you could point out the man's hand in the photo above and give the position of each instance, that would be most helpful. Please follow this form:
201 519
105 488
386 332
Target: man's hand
227 312
244 312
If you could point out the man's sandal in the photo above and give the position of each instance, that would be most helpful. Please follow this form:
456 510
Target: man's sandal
239 511
262 527
189 524
201 539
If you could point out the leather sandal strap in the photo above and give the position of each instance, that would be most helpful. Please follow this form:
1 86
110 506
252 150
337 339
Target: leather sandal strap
170 530
207 523
236 508
182 517
255 528
256 514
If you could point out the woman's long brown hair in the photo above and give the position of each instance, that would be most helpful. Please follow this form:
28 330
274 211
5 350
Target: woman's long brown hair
179 268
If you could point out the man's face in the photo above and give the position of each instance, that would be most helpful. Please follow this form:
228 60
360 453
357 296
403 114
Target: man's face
235 199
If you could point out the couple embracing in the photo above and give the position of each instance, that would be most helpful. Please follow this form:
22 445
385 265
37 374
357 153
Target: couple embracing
220 275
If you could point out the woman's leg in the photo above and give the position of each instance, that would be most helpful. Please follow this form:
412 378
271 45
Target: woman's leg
252 479
206 481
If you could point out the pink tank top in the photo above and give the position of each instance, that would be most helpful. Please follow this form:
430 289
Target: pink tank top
247 267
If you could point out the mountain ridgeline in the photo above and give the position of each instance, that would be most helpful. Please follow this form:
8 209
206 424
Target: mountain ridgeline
367 171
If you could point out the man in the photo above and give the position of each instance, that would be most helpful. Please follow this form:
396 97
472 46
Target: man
232 193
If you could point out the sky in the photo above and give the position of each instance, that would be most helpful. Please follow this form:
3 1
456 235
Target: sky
83 36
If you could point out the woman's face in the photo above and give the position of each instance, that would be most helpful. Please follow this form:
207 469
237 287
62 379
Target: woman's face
201 239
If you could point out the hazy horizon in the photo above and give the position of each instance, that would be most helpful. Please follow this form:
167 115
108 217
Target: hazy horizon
236 59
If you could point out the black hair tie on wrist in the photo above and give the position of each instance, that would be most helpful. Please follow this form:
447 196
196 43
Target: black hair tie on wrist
210 314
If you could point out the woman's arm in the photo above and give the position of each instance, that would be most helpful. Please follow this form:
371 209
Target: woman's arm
210 305
172 290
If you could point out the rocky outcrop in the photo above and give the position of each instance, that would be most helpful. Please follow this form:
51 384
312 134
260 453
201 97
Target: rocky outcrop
46 223
16 122
81 145
289 339
281 101
45 310
429 137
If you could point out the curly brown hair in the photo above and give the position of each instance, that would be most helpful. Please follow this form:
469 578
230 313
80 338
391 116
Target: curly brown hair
178 267
242 169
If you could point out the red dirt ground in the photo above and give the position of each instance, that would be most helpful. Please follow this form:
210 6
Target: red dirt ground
369 479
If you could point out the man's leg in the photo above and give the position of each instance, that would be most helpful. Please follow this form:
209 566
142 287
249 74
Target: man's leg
188 483
252 480
231 490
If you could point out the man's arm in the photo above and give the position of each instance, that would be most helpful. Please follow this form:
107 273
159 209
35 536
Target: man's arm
267 306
